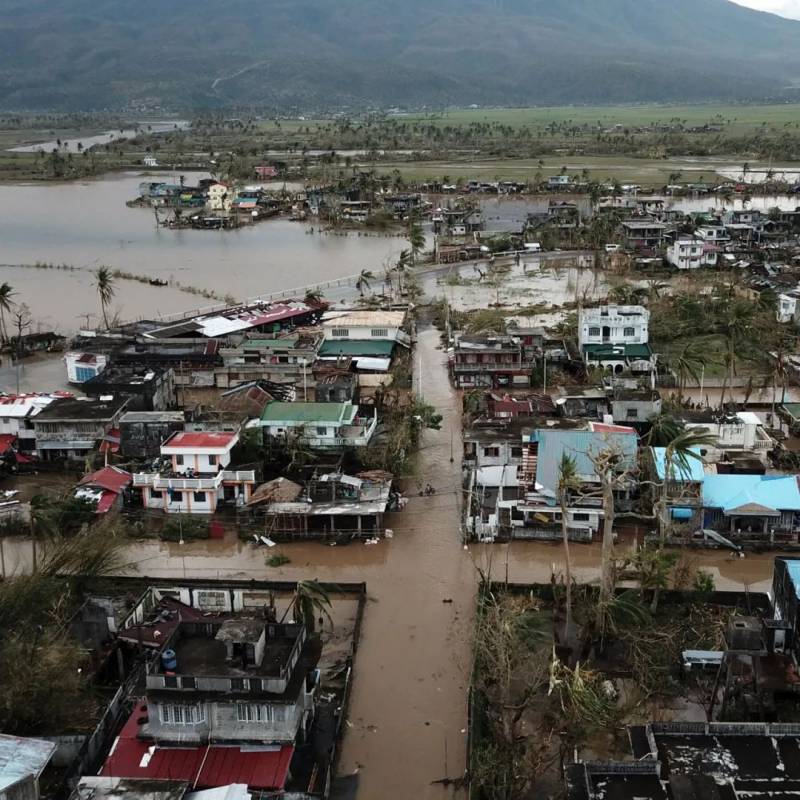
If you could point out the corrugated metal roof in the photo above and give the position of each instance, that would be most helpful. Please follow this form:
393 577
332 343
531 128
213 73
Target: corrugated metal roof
692 470
190 440
308 412
204 767
356 347
580 445
112 479
20 757
730 492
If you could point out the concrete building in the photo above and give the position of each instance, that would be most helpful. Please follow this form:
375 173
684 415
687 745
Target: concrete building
143 432
613 325
320 425
194 478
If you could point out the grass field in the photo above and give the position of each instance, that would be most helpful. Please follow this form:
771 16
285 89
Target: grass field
740 118
654 172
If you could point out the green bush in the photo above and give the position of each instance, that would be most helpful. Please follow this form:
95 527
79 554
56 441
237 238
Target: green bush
185 527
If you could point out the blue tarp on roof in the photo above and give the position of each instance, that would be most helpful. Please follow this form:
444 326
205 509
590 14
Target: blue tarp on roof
728 492
793 569
580 445
691 471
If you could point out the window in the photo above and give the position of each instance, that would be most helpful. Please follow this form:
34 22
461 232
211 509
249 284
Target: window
516 452
237 684
321 430
632 413
629 332
491 452
156 494
182 714
199 497
171 681
594 331
179 460
260 712
213 460
188 682
378 333
255 684
340 332
580 517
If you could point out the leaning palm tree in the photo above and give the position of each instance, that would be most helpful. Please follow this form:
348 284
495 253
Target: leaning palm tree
401 268
6 293
363 282
310 599
568 483
689 363
104 283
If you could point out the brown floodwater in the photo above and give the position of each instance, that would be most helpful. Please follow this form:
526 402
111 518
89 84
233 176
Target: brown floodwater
408 711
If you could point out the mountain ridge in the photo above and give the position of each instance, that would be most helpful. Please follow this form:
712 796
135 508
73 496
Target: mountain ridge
92 54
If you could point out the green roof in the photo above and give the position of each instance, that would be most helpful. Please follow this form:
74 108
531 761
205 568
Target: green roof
356 347
597 352
277 412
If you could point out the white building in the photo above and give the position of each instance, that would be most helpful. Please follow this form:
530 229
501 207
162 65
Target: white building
740 433
365 325
220 197
320 425
150 161
787 306
713 234
686 253
194 478
82 367
17 413
613 325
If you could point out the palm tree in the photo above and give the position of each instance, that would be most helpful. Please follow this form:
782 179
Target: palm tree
416 238
6 293
310 599
567 483
104 283
363 282
664 428
313 297
689 363
738 324
403 263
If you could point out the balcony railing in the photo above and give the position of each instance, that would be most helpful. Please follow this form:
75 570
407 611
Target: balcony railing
490 367
161 482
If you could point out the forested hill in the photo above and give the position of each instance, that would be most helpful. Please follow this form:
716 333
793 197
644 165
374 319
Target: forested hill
312 54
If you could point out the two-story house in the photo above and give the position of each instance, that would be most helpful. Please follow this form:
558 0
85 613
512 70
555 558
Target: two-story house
16 418
643 235
491 360
284 358
320 425
229 692
740 434
362 325
194 478
71 427
615 338
686 252
713 234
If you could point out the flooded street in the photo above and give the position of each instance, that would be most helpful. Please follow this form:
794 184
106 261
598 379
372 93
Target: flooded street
412 666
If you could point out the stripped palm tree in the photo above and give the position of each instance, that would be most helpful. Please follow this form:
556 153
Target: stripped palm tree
690 363
416 238
6 293
363 282
104 283
568 483
310 599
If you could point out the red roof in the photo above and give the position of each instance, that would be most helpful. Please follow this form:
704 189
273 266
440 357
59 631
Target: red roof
204 767
111 441
193 440
602 427
7 441
112 479
106 502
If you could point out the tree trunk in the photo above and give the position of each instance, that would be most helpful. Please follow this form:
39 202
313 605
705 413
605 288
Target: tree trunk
567 568
607 563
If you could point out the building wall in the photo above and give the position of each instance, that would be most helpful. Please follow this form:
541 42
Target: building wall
597 328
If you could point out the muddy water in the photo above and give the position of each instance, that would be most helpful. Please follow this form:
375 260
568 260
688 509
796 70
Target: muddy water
86 224
409 693
71 145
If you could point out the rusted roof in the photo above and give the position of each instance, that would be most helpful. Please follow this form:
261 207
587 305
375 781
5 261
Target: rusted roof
279 490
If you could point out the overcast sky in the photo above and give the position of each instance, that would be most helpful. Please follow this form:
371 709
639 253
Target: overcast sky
786 8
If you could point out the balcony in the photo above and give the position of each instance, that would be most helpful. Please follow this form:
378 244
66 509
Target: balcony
494 366
159 482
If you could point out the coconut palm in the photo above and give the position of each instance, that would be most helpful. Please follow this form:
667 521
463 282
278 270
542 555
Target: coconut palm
104 283
363 282
738 325
416 238
567 484
401 268
689 363
310 599
6 293
313 297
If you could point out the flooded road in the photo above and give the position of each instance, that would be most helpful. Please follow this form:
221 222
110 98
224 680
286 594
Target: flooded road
408 710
